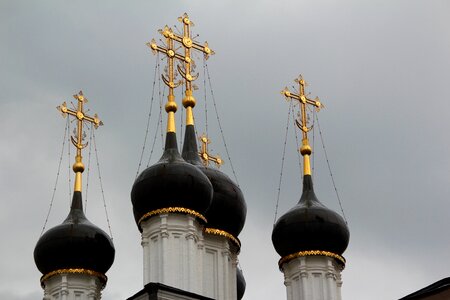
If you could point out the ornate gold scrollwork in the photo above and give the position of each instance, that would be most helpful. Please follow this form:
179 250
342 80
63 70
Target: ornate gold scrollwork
224 234
81 271
166 210
290 257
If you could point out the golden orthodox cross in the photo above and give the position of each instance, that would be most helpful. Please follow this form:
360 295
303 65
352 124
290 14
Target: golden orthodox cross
77 141
171 105
305 150
303 100
205 156
188 44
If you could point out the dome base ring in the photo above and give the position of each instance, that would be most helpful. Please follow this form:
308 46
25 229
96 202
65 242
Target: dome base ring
81 271
224 234
167 210
341 260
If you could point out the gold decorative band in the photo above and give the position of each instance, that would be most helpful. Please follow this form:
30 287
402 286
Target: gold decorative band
225 234
311 253
167 210
81 271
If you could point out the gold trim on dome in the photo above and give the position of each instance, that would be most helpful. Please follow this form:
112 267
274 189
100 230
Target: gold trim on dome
224 234
166 210
81 271
311 253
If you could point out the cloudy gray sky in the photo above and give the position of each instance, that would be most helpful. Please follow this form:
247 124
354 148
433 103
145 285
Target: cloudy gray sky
380 67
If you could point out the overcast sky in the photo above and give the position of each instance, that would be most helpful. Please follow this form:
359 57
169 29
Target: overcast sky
380 67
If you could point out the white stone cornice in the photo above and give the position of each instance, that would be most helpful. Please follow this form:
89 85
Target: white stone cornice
312 278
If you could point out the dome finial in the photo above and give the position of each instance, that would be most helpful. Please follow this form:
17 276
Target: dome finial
305 149
189 101
171 105
185 41
187 44
77 141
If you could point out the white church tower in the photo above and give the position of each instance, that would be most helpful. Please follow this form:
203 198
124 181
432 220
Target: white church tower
189 214
226 218
170 200
75 256
310 238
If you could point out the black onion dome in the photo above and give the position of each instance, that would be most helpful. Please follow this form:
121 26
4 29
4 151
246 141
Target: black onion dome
310 226
75 244
170 183
240 283
228 209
